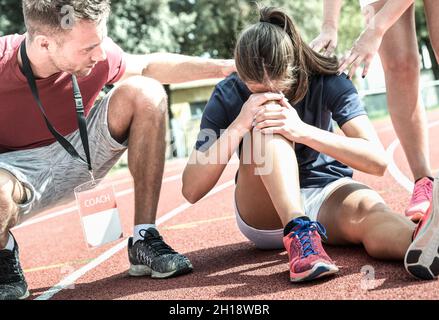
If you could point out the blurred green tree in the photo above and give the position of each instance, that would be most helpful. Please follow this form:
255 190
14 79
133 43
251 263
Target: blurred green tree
210 27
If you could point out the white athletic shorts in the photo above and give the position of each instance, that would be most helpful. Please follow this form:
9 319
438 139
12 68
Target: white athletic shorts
312 199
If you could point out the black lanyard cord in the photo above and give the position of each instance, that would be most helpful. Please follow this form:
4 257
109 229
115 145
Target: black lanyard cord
82 123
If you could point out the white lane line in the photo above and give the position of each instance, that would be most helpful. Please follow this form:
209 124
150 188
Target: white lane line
400 177
396 173
74 208
71 279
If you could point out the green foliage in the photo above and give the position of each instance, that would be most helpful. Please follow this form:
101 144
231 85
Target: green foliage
143 26
11 17
206 27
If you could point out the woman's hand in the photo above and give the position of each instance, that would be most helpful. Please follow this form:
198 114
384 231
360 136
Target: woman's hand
326 42
363 51
281 119
252 106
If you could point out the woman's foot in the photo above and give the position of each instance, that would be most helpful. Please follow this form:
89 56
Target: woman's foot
308 259
422 257
421 199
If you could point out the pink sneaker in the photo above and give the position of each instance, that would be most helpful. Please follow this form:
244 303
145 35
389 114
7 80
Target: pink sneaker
422 257
308 259
421 200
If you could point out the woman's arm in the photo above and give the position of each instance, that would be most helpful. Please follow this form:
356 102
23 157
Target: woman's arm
205 168
359 149
326 42
369 42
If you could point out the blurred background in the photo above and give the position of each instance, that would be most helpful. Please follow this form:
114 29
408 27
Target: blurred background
209 28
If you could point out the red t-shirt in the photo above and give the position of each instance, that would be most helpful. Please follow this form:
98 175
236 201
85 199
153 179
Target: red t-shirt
22 125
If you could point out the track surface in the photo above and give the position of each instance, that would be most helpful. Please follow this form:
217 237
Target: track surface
226 265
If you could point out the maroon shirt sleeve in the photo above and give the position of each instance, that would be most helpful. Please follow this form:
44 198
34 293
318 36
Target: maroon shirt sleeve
116 61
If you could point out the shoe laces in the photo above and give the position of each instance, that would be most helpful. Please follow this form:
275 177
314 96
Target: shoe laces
155 242
303 230
423 189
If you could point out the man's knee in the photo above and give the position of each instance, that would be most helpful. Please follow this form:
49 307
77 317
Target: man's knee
145 94
8 203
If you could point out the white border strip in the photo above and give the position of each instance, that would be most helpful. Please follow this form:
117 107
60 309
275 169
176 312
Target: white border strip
71 279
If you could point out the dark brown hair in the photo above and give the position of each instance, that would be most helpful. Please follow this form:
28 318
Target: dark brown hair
46 16
273 50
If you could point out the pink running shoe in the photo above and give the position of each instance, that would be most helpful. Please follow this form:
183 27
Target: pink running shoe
422 257
308 259
421 200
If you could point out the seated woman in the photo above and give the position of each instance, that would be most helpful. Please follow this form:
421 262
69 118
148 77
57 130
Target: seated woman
279 108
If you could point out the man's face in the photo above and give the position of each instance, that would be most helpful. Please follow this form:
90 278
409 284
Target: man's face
80 49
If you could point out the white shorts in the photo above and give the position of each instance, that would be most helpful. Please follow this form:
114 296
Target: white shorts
364 3
312 199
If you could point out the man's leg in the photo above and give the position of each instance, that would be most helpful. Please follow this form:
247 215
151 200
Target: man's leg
12 282
400 57
356 214
271 199
137 112
11 193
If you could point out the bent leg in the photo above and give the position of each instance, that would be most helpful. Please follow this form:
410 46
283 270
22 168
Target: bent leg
268 192
137 111
12 193
356 214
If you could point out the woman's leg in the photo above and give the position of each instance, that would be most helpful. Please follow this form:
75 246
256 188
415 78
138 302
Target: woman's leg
268 192
432 12
400 58
356 214
268 198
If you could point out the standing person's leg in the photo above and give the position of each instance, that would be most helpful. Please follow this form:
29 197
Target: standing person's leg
431 12
137 112
400 57
270 211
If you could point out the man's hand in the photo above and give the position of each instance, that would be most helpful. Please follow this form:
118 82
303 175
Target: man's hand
228 68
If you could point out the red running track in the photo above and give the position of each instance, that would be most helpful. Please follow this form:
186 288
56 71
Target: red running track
226 265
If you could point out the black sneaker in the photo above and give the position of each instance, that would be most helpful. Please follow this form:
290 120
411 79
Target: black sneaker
13 286
152 256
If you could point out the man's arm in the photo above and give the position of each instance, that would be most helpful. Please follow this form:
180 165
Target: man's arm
168 68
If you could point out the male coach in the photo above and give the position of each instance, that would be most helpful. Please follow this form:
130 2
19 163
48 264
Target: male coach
52 136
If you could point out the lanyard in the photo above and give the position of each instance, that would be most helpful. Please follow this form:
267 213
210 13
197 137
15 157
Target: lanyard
82 123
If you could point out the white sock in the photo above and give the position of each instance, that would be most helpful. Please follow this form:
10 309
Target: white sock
138 235
10 244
